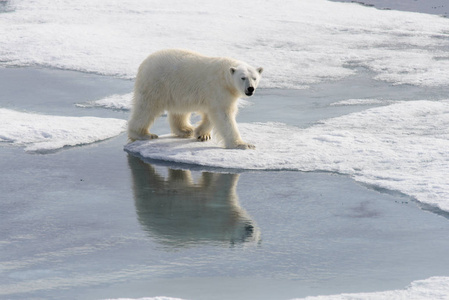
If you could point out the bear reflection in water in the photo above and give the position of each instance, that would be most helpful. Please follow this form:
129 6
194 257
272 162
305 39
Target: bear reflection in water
179 212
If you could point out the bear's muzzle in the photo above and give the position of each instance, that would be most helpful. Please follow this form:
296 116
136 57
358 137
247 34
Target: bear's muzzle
249 91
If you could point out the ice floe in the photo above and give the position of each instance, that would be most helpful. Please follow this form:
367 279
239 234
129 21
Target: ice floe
431 288
42 133
402 147
298 43
362 102
116 101
150 298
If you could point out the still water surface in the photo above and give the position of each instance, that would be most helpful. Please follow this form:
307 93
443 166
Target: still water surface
93 222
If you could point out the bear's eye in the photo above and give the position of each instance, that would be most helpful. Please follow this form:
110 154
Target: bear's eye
243 78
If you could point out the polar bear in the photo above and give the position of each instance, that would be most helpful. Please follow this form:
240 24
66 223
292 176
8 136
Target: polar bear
181 82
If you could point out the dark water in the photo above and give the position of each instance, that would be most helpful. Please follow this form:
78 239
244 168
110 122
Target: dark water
93 222
436 7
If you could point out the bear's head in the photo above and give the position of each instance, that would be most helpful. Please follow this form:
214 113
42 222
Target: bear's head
246 79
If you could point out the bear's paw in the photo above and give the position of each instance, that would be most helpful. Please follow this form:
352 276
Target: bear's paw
185 132
204 137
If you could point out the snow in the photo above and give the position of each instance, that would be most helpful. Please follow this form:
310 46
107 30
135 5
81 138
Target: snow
350 102
152 298
115 101
431 288
298 43
42 133
402 147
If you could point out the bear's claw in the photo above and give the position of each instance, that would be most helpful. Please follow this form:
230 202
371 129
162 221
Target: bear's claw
150 136
204 137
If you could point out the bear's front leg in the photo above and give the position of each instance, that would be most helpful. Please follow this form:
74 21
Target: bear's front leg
226 126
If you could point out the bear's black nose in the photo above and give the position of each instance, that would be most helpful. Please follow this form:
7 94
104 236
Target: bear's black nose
251 89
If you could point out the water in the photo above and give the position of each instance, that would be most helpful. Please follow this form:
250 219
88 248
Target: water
93 222
437 7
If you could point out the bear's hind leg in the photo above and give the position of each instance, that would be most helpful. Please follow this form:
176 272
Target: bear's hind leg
140 123
202 132
180 124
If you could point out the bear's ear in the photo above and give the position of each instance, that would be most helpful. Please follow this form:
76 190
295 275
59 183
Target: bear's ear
232 69
260 70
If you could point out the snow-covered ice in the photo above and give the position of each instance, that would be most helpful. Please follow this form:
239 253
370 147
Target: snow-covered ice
151 298
361 102
431 288
400 147
41 133
115 101
298 43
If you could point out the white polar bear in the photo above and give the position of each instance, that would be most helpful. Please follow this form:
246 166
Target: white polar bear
182 82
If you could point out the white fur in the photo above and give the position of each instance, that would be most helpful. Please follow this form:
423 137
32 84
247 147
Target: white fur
182 82
190 208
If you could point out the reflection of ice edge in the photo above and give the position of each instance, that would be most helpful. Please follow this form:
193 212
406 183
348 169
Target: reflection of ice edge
400 147
180 212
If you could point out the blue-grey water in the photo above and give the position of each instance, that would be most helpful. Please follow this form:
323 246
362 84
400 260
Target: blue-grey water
436 7
93 222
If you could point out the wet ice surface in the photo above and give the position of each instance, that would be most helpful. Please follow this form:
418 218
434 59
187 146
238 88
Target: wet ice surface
92 222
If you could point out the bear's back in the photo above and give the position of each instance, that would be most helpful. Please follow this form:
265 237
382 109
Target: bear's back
186 72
